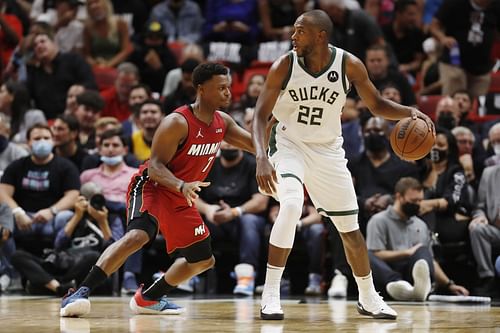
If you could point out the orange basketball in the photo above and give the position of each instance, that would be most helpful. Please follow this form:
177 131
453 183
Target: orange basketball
411 139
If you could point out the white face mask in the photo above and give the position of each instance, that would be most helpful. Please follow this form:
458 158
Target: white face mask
496 149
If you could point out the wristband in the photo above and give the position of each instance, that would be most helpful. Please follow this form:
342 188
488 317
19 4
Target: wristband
240 210
17 210
182 186
54 210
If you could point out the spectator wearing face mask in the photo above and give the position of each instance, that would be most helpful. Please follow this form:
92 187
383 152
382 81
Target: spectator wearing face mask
447 113
400 248
447 203
36 188
377 169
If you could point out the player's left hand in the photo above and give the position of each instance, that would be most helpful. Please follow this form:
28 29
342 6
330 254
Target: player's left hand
189 190
419 114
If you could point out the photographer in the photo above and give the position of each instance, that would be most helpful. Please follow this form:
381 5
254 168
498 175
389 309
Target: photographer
86 233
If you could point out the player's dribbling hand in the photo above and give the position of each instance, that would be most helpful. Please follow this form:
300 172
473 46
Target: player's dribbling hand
266 176
189 190
419 114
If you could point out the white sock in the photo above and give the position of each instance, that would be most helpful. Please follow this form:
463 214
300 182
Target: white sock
365 285
273 278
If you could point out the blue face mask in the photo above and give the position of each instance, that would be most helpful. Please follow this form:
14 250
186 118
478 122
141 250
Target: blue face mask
42 148
112 160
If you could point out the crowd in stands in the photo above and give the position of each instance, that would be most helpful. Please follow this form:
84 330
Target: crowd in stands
86 83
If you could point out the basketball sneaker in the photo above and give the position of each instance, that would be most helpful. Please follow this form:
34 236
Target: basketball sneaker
314 286
421 279
374 306
245 280
271 307
139 305
75 303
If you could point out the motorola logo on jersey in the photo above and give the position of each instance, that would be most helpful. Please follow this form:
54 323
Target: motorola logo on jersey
203 149
333 76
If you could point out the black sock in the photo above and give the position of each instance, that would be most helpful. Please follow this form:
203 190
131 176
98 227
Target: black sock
95 277
158 289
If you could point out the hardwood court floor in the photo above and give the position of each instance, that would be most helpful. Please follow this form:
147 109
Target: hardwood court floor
111 314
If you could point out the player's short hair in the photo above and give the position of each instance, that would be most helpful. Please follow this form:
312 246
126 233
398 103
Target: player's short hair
320 19
407 183
205 71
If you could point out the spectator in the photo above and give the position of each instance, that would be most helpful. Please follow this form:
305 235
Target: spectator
15 103
66 139
11 32
150 115
355 31
181 20
484 229
278 16
494 144
45 10
468 27
391 92
377 170
113 175
101 126
116 97
231 21
185 92
405 37
37 187
447 204
49 80
69 30
377 64
231 208
464 103
470 159
399 243
133 12
82 237
138 95
351 130
249 97
153 56
428 81
90 105
9 151
191 51
73 92
106 37
447 113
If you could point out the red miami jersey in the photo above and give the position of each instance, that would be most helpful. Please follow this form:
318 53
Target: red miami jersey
180 224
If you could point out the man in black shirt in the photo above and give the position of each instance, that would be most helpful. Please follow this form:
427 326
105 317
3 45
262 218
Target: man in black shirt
231 206
470 26
37 187
66 130
49 80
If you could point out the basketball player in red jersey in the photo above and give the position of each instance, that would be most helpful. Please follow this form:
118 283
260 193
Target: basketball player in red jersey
161 196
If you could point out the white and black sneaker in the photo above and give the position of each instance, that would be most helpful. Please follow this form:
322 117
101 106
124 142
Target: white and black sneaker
271 307
374 306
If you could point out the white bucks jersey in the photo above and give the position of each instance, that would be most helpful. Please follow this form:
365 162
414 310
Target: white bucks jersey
309 106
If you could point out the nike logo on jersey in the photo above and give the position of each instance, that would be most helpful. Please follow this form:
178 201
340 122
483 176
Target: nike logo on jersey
203 149
199 135
314 93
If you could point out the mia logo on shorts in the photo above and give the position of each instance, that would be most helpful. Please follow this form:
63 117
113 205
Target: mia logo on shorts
199 230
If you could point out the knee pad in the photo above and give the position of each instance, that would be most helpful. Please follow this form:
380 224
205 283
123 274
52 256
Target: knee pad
291 194
346 223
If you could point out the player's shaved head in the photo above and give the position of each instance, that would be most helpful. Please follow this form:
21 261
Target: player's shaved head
320 19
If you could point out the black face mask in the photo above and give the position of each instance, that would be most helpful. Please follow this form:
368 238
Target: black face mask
230 154
375 142
438 155
4 142
446 120
410 209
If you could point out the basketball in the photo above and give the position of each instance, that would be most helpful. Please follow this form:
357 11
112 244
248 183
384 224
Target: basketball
411 139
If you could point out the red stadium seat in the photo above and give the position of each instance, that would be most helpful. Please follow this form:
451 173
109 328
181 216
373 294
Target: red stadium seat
427 104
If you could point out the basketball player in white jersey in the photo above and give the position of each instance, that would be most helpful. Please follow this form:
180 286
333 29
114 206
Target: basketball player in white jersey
305 91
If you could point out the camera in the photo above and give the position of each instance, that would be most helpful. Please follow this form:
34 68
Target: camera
97 201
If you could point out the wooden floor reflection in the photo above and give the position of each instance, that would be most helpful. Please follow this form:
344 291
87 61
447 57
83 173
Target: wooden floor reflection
36 315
